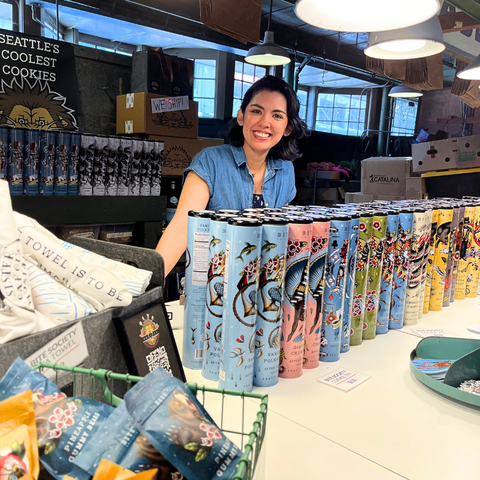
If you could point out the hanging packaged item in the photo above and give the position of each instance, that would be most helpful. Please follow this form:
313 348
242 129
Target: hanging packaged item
3 152
270 298
379 230
361 273
146 168
388 266
134 168
196 265
214 300
15 158
100 166
112 166
157 163
243 256
85 165
31 164
126 149
292 339
60 186
48 148
350 283
73 163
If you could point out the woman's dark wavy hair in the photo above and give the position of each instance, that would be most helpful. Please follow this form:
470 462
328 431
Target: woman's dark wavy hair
286 148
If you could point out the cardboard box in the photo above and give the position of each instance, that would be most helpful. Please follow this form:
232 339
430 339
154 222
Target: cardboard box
385 175
134 115
177 153
468 151
436 155
212 142
358 197
416 189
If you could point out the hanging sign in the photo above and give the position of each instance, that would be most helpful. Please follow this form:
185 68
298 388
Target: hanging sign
37 83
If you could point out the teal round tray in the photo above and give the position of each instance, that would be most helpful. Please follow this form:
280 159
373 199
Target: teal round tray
465 352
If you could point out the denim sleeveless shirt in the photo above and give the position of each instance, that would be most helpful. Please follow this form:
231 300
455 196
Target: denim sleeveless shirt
225 171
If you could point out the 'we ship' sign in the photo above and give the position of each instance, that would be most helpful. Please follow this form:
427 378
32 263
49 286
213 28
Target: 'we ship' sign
37 83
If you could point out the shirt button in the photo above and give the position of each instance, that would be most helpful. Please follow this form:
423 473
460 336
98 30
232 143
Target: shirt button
266 204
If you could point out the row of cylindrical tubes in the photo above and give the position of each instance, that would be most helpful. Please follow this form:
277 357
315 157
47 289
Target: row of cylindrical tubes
270 292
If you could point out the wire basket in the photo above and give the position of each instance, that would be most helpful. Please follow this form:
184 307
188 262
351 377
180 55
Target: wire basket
230 410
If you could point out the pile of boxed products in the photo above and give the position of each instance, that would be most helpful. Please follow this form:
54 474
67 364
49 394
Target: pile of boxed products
389 179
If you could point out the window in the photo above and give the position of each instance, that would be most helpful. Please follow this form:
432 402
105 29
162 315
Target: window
204 87
245 75
303 99
6 16
404 117
340 114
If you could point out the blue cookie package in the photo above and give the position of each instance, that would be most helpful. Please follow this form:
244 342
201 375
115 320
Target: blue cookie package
119 441
64 425
169 415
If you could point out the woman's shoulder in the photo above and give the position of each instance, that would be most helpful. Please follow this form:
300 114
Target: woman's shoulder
214 155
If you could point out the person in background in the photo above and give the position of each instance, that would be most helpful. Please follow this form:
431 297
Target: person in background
254 170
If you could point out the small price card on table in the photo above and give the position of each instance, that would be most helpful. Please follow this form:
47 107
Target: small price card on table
433 332
343 378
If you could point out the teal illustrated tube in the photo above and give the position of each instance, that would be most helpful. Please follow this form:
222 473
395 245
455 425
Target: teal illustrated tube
334 293
387 273
400 272
350 283
198 237
212 341
243 254
60 184
270 296
73 163
31 163
3 152
15 158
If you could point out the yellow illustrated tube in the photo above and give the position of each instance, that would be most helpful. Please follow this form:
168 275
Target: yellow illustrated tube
440 246
472 286
431 254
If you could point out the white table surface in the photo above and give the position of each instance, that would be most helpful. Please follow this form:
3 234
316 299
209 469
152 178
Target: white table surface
392 426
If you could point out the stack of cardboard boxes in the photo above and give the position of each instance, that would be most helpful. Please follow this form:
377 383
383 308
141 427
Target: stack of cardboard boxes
173 120
388 178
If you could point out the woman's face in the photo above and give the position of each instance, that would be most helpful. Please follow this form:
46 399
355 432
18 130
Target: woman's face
265 121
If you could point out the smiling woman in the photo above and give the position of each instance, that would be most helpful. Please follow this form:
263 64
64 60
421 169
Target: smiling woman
254 170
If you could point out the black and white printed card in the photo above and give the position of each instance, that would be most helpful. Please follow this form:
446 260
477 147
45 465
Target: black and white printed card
147 342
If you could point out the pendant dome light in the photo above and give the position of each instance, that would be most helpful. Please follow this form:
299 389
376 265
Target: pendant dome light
418 41
471 71
268 54
365 15
402 91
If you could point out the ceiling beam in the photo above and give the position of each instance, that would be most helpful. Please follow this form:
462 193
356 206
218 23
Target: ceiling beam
458 21
470 7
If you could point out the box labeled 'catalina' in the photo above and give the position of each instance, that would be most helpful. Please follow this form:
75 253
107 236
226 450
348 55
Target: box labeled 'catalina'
385 175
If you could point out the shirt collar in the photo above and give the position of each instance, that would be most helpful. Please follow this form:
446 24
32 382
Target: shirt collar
240 159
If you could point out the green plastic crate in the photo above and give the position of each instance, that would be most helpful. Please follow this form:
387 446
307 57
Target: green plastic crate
251 439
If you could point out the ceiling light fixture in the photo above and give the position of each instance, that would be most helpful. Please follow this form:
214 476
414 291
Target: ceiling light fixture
471 71
268 54
418 41
365 15
402 91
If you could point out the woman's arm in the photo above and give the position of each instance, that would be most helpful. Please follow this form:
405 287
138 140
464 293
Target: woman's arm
194 196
